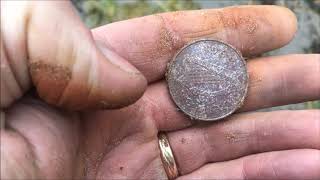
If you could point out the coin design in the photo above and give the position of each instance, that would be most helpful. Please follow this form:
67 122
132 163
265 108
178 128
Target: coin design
207 79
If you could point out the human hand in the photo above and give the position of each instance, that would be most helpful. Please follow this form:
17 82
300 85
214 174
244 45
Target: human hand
123 143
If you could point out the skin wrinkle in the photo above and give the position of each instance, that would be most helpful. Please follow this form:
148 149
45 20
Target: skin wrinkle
35 159
26 35
245 167
145 52
156 112
260 162
38 116
8 94
254 79
100 159
284 83
161 111
34 110
237 137
278 89
267 124
92 80
234 135
275 175
74 52
228 23
72 59
257 143
208 152
138 146
150 115
40 113
211 21
79 159
147 165
254 143
6 83
90 83
11 67
21 78
155 168
91 73
87 165
141 59
110 145
129 137
243 171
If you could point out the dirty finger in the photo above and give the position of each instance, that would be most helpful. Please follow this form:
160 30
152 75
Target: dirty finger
153 40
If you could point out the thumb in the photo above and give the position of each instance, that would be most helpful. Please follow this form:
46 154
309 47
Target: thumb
68 68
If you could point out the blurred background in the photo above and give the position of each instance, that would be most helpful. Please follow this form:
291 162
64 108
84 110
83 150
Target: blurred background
307 40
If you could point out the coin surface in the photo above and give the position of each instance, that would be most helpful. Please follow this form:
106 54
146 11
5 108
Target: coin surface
208 79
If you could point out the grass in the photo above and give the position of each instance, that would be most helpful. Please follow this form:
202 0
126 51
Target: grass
312 105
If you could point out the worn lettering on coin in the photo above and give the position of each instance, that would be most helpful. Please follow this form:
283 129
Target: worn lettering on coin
208 79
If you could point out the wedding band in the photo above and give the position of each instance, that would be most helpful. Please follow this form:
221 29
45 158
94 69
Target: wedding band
167 157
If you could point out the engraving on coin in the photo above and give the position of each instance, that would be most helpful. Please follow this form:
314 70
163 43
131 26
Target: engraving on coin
208 79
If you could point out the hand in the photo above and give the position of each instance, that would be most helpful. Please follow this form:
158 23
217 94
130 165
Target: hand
41 141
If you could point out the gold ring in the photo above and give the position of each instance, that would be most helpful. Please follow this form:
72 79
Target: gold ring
167 157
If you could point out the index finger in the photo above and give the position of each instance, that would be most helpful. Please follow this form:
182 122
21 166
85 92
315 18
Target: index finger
150 42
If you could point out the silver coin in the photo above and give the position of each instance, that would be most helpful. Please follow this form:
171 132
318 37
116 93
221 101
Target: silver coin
208 79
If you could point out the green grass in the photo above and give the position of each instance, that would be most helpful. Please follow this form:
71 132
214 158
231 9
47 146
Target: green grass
313 105
101 12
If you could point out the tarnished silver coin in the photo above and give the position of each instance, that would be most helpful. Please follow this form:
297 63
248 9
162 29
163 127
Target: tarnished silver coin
208 79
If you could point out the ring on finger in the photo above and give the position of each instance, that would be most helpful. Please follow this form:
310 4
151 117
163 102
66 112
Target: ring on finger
167 157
